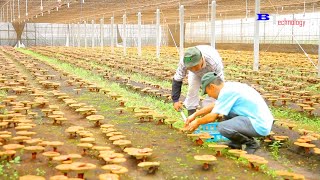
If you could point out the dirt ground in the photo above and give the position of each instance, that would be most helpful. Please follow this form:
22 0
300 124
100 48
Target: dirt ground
172 148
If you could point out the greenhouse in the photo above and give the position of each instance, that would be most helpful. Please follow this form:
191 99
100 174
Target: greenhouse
174 89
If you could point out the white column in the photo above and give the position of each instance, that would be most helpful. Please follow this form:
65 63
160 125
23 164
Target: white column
158 33
112 34
101 32
181 17
256 38
73 34
85 34
213 24
241 36
221 38
67 35
139 35
92 36
124 36
319 54
79 43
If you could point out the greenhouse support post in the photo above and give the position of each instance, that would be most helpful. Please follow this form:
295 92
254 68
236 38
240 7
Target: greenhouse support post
181 17
139 34
256 38
112 34
213 24
124 36
158 33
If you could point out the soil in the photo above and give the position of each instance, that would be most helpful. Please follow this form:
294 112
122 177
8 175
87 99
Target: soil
171 148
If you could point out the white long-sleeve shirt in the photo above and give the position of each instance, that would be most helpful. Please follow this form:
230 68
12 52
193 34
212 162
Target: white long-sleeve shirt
213 63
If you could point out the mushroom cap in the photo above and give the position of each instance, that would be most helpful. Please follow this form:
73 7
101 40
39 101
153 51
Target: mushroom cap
237 152
106 126
122 142
109 130
25 133
51 154
61 158
115 169
55 143
205 158
306 145
218 147
74 156
113 134
111 155
31 177
148 164
281 138
129 149
87 140
109 176
33 141
58 177
114 160
13 146
85 145
101 148
63 167
34 148
95 117
289 175
117 137
21 138
82 167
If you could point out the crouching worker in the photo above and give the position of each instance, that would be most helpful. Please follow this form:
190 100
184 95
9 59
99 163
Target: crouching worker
246 113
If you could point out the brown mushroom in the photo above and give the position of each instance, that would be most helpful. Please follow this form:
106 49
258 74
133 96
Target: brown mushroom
95 118
31 177
81 168
55 145
109 176
151 167
206 160
218 148
114 168
34 150
51 154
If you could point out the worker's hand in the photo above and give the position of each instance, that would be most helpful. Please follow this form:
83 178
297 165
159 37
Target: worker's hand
193 125
190 119
177 105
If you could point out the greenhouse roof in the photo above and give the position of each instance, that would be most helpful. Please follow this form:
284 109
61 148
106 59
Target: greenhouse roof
74 11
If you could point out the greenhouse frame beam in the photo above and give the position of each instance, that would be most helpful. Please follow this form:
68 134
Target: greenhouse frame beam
92 36
256 38
68 36
319 54
181 17
139 35
101 32
112 34
73 34
85 34
124 36
78 34
158 33
213 24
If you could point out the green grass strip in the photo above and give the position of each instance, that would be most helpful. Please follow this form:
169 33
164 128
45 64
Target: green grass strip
134 99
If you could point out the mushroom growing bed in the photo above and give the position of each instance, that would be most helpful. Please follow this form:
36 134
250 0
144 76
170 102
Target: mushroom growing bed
60 93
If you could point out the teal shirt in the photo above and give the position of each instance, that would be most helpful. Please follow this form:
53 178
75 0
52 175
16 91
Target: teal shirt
243 100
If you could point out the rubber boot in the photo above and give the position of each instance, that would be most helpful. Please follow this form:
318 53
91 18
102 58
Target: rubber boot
233 145
251 144
191 111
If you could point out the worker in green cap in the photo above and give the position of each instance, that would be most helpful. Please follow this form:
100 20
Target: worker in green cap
245 112
197 61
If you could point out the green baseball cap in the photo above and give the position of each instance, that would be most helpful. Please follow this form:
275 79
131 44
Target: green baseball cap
207 79
192 57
